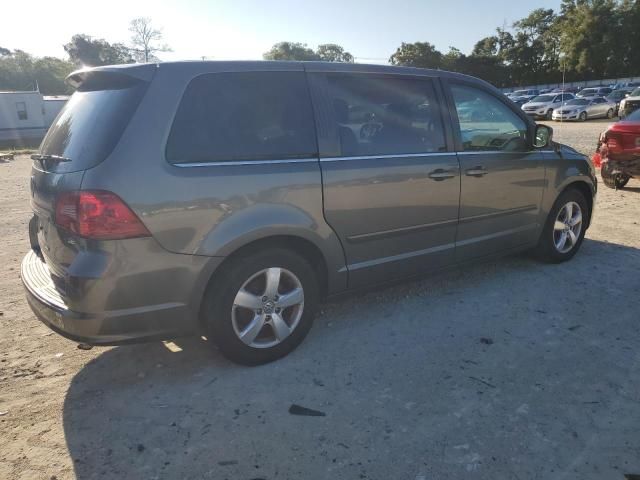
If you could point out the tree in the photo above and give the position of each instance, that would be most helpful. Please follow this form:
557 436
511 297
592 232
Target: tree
145 39
330 52
4 52
21 71
290 51
419 54
84 50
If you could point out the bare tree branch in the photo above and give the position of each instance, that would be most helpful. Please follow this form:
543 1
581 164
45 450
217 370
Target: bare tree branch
145 39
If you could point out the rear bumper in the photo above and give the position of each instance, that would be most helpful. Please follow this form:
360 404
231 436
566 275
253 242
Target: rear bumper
112 327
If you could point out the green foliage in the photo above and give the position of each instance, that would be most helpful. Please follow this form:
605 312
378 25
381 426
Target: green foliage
329 52
587 39
21 71
87 51
419 54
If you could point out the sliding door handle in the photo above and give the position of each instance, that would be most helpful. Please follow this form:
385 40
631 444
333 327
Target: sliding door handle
477 171
441 174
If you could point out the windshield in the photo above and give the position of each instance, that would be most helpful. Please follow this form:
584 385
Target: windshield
520 92
635 93
633 117
543 98
578 101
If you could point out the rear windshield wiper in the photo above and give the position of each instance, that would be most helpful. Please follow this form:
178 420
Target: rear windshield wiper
49 158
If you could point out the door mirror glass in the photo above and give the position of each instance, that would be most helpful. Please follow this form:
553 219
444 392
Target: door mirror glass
544 135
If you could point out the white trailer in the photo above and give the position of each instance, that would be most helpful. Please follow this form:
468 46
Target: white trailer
26 116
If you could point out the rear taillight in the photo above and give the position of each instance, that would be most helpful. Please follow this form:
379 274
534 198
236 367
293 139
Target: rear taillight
614 143
99 215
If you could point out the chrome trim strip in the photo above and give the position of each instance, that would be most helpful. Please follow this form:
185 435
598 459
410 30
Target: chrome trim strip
491 236
496 152
243 162
382 157
365 237
501 213
402 256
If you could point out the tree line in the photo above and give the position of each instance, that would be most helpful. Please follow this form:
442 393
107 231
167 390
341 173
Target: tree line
21 71
584 40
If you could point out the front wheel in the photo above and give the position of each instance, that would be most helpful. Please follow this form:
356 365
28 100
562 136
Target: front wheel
261 306
613 180
610 113
565 228
583 117
549 114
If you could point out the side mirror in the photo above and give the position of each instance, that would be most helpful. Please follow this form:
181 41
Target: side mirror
543 137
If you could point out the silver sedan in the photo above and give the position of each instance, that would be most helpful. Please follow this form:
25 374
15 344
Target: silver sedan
585 108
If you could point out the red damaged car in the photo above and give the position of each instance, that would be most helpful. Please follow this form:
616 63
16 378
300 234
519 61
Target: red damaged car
619 152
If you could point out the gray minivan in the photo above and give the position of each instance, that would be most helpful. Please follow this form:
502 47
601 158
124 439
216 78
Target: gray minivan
231 197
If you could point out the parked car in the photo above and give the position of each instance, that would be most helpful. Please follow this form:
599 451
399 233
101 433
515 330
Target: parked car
231 197
585 108
572 90
617 96
619 150
629 104
545 90
542 106
626 85
594 92
523 96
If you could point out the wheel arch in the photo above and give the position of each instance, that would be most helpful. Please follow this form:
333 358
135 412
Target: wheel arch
585 189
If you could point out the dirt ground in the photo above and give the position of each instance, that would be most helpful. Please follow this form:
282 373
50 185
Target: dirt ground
509 370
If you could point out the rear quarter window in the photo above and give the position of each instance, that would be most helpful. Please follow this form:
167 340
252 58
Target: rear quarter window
243 116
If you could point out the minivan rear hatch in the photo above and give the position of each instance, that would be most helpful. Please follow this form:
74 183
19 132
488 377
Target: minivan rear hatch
83 134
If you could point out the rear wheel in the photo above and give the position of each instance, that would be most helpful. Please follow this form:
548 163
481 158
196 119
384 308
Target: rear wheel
565 228
583 116
261 306
613 180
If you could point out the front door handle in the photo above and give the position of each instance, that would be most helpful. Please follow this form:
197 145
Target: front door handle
477 171
441 174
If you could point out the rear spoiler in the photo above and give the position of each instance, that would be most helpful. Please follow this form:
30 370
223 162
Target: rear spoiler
143 72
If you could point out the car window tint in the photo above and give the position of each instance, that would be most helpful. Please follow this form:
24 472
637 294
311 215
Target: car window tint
385 115
486 123
243 116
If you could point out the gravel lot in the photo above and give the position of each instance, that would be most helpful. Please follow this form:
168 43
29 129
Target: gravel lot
509 370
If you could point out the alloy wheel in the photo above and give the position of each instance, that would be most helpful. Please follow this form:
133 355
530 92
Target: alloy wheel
268 307
567 227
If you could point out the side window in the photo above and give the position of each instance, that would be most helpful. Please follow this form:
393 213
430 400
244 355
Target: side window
376 115
243 116
21 108
486 123
558 99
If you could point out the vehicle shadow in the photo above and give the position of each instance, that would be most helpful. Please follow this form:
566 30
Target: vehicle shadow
440 372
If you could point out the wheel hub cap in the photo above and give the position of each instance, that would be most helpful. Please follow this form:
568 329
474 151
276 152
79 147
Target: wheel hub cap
567 227
267 308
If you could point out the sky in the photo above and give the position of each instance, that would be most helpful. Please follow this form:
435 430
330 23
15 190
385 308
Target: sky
244 29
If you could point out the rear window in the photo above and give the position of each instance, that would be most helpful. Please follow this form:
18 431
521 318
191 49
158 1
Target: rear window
90 124
243 116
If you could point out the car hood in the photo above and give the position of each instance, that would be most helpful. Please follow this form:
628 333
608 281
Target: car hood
536 104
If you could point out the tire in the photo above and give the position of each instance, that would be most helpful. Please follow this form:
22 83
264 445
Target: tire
583 117
549 115
615 181
225 319
610 113
547 249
